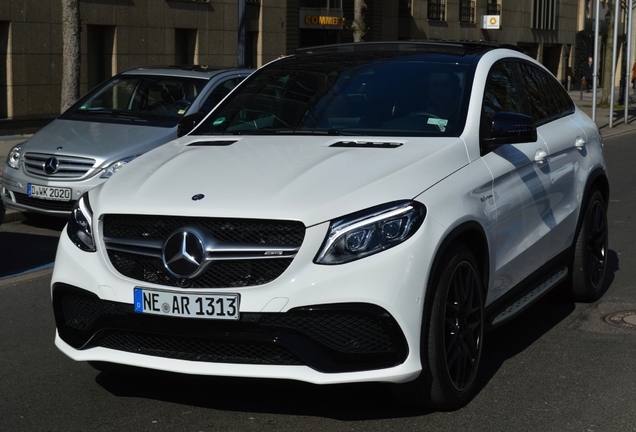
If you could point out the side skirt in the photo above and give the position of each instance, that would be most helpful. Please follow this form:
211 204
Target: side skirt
513 304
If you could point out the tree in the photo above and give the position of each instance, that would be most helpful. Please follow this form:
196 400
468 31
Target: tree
71 59
358 26
606 75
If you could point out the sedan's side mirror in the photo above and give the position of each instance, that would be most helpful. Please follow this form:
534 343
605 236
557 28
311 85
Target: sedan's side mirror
187 123
510 128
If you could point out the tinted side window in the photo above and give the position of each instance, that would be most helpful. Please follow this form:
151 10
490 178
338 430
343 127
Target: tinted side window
536 88
219 92
548 99
562 98
501 94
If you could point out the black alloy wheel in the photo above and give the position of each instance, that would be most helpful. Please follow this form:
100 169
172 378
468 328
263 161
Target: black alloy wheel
590 252
452 336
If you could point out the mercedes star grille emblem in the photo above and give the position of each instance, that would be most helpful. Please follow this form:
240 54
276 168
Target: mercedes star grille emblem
51 165
183 253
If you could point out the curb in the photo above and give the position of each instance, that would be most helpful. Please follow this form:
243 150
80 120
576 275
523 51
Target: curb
13 216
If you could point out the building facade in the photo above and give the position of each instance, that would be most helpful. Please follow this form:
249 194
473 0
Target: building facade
121 34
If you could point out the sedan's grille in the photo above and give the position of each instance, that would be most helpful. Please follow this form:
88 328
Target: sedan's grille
57 166
52 205
135 248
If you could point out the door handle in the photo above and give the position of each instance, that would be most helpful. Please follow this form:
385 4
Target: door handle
579 143
540 156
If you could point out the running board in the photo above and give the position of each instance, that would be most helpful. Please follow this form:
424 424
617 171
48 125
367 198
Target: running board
530 296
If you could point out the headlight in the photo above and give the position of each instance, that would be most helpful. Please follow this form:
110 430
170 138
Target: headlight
80 225
114 167
13 158
370 231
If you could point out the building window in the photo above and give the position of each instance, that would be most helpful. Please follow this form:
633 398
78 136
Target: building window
436 10
6 89
405 7
100 42
321 4
544 14
467 11
493 8
185 46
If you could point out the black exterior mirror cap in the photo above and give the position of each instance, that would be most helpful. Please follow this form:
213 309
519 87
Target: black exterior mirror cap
511 128
188 123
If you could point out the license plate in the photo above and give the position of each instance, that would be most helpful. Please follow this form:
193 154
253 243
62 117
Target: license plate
49 193
210 306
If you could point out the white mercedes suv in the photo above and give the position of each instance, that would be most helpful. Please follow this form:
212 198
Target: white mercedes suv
351 213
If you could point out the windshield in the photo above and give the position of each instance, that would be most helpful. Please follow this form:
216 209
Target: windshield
157 99
376 97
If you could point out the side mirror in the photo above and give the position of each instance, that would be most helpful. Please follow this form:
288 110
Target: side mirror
510 128
189 122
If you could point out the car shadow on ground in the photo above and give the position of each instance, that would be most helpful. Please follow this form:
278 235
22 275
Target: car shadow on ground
350 402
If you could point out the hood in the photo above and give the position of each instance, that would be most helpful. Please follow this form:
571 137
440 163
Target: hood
104 142
276 177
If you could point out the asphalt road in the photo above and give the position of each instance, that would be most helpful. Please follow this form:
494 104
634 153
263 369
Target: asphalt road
559 367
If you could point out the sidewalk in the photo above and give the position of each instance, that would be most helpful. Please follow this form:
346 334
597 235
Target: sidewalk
582 100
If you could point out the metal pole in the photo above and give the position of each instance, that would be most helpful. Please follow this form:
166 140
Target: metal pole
628 35
614 55
595 63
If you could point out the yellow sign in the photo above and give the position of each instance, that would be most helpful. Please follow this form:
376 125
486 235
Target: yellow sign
324 20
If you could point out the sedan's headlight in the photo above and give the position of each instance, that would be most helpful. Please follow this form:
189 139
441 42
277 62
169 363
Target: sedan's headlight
114 167
80 225
370 231
13 158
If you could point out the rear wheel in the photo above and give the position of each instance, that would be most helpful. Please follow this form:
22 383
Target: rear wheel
452 336
590 252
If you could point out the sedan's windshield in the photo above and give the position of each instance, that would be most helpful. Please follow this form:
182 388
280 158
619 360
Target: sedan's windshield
402 97
153 98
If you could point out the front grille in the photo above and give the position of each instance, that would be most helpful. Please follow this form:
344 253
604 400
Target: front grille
328 338
66 167
348 332
224 274
196 349
51 205
134 245
290 233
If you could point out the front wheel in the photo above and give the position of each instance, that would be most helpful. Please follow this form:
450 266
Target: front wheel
452 336
590 252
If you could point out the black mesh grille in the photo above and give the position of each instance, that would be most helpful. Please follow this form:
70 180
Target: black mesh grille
287 233
330 338
80 312
24 199
197 349
221 274
341 331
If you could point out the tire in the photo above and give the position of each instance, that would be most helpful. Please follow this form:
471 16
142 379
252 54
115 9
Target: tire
589 263
452 336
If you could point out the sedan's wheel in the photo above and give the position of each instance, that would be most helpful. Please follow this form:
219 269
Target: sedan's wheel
590 252
452 336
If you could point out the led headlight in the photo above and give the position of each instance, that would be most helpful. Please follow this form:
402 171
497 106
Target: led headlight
13 158
80 225
114 167
370 231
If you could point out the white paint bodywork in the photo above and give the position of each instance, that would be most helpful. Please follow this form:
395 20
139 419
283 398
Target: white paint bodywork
527 209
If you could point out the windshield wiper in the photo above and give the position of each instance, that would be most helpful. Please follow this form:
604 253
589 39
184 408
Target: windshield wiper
111 112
